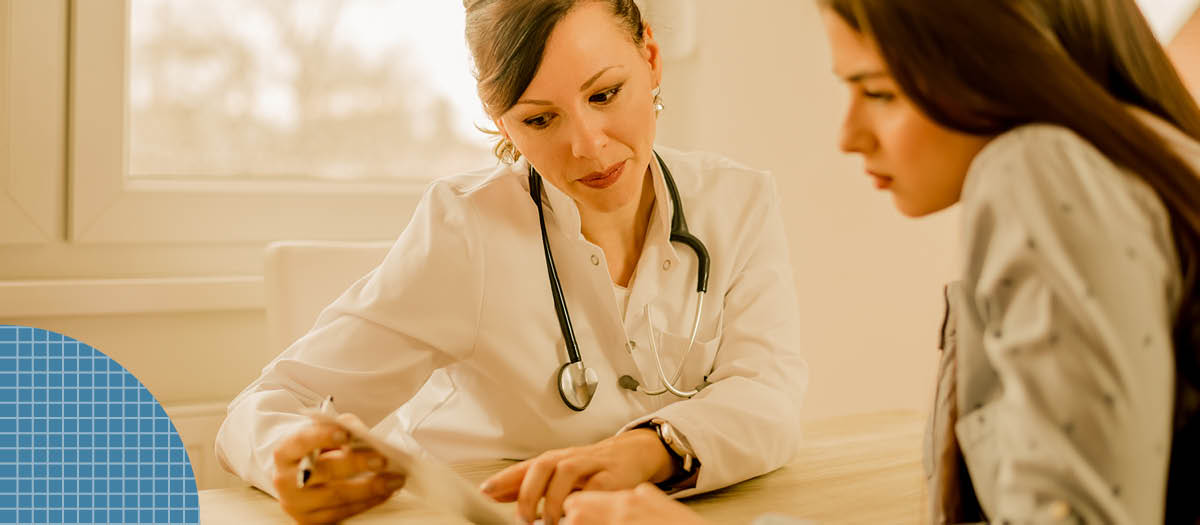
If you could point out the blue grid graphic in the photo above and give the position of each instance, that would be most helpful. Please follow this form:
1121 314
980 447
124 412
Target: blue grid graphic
82 441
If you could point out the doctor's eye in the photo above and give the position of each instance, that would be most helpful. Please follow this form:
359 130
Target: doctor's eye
882 96
539 121
606 96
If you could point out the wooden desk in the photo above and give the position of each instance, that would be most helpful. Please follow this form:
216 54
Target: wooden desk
853 469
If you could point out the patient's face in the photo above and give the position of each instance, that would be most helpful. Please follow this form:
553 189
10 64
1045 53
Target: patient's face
921 162
587 122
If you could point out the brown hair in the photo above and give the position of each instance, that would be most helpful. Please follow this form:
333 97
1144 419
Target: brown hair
507 39
985 67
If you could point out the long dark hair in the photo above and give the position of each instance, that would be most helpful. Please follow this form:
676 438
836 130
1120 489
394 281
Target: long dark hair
987 66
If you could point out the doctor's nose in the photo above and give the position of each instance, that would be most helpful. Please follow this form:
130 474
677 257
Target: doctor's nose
855 138
587 139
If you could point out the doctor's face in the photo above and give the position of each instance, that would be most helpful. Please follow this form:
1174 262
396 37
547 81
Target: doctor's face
586 122
921 162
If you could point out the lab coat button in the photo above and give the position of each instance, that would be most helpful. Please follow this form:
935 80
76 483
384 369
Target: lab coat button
666 265
632 346
595 260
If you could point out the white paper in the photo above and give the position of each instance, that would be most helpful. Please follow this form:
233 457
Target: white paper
435 483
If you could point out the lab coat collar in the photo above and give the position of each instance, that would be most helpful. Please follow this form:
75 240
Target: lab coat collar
657 250
660 218
566 213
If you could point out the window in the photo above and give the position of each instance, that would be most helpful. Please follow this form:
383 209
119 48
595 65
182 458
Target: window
250 120
314 90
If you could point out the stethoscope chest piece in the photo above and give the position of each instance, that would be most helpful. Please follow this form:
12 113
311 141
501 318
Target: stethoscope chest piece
577 385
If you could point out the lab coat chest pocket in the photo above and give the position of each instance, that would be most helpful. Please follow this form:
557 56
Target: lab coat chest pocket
698 362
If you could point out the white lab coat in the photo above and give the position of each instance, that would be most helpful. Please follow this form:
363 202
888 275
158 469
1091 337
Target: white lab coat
451 346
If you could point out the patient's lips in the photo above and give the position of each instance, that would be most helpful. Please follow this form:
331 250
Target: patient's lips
882 182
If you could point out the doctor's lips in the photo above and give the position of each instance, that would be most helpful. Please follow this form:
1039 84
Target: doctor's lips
603 179
882 182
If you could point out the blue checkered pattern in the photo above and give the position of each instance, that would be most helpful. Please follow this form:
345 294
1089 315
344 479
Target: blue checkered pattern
82 441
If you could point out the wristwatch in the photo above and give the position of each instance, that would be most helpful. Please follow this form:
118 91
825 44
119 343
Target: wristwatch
677 446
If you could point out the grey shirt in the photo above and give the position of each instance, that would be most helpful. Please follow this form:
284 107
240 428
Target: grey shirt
1057 344
1063 322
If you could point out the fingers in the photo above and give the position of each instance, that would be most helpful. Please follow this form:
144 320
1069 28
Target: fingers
585 508
568 475
332 501
317 436
503 485
337 488
642 505
533 486
345 463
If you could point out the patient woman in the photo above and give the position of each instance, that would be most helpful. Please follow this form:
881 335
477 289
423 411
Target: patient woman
453 345
1067 389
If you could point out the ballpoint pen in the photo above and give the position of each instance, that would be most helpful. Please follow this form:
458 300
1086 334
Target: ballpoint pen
304 473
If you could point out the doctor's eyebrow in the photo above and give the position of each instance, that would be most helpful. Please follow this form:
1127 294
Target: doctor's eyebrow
584 87
592 80
865 75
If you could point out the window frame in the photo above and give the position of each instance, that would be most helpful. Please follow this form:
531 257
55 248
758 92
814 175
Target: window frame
33 65
106 206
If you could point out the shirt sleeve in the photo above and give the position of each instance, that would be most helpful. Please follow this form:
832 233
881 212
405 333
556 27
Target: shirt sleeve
747 421
1068 279
376 345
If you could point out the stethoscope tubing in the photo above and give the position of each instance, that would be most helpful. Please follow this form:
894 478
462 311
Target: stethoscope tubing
679 234
669 386
560 302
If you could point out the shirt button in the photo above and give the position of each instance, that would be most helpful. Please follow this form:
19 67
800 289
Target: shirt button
595 260
632 346
666 265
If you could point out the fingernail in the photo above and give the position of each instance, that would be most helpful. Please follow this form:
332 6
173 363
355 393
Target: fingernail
486 486
339 436
395 484
375 463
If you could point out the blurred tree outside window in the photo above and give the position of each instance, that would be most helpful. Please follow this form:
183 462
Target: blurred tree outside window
302 90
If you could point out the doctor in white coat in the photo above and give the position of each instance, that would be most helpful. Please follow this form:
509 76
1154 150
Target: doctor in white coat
453 346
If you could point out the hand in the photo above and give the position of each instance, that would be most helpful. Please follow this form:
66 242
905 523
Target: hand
344 481
642 505
619 462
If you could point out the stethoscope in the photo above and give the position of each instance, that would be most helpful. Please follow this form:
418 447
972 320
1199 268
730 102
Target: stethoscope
576 382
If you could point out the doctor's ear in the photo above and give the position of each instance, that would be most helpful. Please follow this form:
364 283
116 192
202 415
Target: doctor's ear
505 150
652 54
